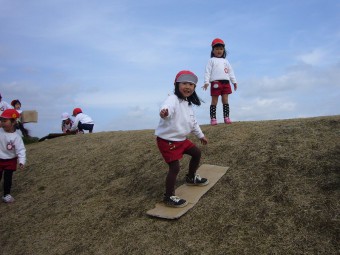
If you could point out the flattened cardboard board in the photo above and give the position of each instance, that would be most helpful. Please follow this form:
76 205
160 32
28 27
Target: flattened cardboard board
29 116
190 193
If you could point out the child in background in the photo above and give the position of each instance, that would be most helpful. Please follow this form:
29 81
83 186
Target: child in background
12 151
82 121
66 123
3 106
219 73
17 106
177 121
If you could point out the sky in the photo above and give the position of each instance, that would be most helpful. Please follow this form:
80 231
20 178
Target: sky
117 59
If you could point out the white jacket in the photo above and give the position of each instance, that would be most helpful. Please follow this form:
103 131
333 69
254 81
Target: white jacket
4 106
219 69
83 118
180 122
11 146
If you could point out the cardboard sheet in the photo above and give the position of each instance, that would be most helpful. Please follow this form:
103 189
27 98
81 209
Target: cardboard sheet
29 116
190 193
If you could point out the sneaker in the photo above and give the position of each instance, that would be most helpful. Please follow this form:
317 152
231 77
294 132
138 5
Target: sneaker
227 120
8 199
174 201
196 180
213 122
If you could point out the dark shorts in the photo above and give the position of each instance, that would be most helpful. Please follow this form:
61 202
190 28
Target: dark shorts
85 126
172 151
219 88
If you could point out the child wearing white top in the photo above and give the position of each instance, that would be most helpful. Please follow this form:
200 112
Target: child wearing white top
66 123
12 151
219 73
4 106
82 121
17 106
177 121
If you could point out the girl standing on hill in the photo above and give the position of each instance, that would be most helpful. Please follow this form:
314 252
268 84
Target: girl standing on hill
219 73
177 121
12 151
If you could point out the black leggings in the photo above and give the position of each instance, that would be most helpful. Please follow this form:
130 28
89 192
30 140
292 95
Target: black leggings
7 181
174 168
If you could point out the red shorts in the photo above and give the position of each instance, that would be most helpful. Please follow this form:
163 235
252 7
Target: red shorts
8 164
172 151
219 88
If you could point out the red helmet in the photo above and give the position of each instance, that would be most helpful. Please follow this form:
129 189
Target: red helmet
76 111
217 41
186 76
10 114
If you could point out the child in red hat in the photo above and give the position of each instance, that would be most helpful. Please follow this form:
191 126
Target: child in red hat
219 73
12 151
177 121
82 121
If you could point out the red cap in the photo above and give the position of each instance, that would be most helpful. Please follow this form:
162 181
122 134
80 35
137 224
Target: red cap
76 111
10 114
217 41
186 76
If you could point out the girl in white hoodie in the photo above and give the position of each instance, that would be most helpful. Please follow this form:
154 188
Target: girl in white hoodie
220 74
177 121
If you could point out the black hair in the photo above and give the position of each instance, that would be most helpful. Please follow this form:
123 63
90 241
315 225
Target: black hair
224 53
15 101
193 99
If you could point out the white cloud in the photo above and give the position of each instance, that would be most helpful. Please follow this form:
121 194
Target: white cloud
314 57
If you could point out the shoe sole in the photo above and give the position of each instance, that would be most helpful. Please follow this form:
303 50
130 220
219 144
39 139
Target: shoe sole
176 206
8 202
197 184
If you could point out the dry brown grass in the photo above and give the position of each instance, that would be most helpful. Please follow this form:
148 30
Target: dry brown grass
88 194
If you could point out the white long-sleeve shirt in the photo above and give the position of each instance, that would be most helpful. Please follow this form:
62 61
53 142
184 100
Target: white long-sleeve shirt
4 106
11 146
180 122
83 118
219 69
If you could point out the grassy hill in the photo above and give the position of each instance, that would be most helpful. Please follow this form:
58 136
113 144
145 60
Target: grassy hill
88 194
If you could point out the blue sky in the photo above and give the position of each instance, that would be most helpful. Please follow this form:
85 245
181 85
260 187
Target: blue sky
117 59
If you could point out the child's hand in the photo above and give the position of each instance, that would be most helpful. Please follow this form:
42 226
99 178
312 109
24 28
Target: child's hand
235 86
204 140
21 166
164 113
205 86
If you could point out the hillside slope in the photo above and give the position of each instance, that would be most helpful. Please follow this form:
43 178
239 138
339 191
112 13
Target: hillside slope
88 194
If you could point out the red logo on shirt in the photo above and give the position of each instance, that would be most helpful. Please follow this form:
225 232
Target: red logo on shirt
10 146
